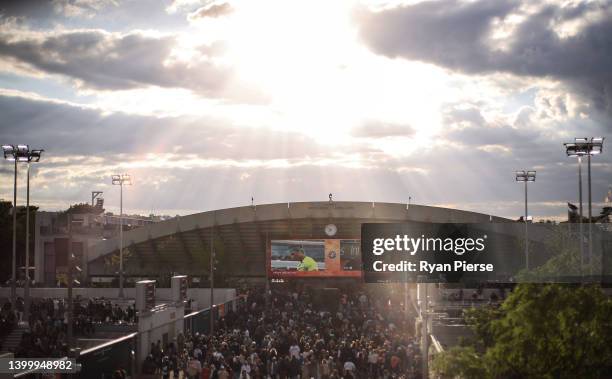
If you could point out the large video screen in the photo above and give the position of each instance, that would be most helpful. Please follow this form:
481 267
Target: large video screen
315 258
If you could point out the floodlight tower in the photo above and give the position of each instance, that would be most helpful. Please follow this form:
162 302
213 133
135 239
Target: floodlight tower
15 153
595 147
31 156
579 149
526 177
121 180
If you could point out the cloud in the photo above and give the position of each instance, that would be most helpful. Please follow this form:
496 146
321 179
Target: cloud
483 37
44 9
67 129
114 61
382 130
213 10
81 8
229 163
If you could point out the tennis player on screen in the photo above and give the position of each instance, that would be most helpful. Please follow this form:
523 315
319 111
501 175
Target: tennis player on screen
306 262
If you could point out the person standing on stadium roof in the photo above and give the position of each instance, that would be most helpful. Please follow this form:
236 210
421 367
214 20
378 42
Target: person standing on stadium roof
306 262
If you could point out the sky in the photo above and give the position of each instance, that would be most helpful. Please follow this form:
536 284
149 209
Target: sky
209 103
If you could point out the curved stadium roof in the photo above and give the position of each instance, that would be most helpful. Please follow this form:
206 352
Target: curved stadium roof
240 235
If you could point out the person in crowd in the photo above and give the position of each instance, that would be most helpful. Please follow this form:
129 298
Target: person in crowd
289 338
48 321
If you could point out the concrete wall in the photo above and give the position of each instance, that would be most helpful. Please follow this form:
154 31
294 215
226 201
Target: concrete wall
201 296
153 326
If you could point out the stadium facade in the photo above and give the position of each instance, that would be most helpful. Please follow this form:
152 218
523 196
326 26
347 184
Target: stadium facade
241 236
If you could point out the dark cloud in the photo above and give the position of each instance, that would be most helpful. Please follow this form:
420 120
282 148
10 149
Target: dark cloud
456 34
466 125
26 8
46 9
487 175
66 130
382 130
114 61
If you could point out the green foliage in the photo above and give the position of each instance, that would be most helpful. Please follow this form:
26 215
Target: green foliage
481 321
459 362
84 208
552 331
540 331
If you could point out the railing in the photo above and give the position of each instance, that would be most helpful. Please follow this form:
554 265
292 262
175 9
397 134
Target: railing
199 321
103 360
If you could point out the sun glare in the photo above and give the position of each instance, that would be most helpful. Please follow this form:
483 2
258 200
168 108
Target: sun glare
320 79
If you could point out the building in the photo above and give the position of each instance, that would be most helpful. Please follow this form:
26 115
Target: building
241 236
51 234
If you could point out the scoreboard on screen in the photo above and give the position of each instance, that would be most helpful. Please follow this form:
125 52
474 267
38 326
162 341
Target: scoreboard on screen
314 258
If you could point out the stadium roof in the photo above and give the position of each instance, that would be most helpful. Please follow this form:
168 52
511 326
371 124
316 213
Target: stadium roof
240 235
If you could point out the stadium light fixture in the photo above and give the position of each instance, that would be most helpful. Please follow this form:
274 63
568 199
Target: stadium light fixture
21 153
121 180
28 156
526 176
10 154
579 148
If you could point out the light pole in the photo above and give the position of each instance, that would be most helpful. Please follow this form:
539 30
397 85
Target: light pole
594 147
72 269
526 177
120 180
212 280
15 154
32 156
70 299
579 148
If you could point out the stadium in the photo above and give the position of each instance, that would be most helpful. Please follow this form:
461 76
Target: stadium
240 236
164 210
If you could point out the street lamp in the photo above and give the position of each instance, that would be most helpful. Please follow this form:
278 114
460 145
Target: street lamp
526 177
31 156
121 180
12 153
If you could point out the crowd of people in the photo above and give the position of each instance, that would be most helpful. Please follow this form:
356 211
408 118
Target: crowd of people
282 334
48 323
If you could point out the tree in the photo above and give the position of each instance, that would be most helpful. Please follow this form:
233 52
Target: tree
552 331
481 322
82 208
459 362
540 331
